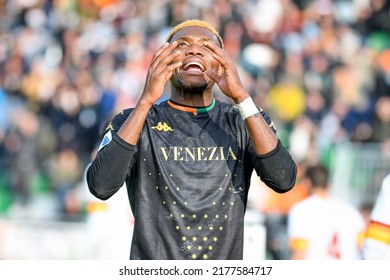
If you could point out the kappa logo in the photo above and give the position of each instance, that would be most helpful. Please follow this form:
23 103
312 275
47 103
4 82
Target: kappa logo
162 127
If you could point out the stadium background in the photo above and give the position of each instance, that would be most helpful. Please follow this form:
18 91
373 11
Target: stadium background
320 68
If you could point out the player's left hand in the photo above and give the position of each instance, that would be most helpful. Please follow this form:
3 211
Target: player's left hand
228 80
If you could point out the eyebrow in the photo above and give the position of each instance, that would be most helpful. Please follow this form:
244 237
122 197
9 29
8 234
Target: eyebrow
203 38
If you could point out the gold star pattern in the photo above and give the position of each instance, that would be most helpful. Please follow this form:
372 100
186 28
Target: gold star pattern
198 245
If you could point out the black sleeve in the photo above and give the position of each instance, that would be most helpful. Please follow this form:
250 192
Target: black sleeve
277 169
108 171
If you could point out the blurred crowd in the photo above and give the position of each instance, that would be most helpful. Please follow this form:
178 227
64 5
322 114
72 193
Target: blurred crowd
320 68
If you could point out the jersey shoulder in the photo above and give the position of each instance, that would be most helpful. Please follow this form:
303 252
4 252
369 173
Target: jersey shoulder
116 122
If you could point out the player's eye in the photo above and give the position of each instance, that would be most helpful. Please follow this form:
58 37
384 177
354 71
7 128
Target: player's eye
182 44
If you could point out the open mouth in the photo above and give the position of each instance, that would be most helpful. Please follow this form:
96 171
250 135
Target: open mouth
194 67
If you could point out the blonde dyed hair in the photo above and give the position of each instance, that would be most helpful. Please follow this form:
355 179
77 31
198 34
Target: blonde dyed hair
195 23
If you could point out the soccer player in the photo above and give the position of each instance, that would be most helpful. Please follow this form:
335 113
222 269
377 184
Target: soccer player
322 227
187 162
377 240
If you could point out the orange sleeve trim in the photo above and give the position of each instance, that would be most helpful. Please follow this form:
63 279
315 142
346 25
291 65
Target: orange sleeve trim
96 207
360 239
298 244
378 231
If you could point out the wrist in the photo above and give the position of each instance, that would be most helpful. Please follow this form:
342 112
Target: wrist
247 108
145 103
240 98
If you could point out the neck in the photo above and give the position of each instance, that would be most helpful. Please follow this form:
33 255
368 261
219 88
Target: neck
193 100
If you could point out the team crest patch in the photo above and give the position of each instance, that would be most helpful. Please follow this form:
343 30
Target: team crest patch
106 139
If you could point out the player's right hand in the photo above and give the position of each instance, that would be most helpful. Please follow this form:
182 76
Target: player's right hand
160 71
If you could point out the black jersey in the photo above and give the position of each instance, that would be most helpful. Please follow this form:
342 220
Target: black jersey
188 179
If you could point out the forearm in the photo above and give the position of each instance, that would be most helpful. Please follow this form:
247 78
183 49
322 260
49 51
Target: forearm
273 163
264 140
108 171
263 137
132 127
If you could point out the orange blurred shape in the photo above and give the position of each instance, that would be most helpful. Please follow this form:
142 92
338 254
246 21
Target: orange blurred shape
384 60
102 3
